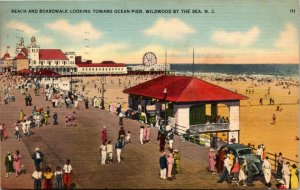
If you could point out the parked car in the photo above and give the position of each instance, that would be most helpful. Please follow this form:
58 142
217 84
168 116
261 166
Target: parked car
243 151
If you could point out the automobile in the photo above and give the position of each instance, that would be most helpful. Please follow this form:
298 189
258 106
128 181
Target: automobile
243 151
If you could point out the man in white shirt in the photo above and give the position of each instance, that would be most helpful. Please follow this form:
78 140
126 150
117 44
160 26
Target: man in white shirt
37 178
225 175
109 151
259 152
266 167
103 149
67 174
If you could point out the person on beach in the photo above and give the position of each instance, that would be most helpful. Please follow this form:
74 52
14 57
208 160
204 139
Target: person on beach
103 149
163 163
48 175
104 134
212 161
274 119
58 178
9 161
37 176
17 163
67 176
170 165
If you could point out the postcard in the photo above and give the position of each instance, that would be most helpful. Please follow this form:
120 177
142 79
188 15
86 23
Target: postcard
149 94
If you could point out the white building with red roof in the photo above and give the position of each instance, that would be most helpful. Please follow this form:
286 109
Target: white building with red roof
103 68
6 63
192 103
49 59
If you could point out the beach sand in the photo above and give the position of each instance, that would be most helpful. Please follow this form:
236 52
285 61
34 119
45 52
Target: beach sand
255 120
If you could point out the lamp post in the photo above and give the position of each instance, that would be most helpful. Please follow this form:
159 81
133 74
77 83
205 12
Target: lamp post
71 70
102 102
165 97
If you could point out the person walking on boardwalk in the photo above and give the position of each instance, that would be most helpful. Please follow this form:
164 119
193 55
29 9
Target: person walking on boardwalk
9 167
38 157
176 161
17 132
221 157
163 163
286 174
86 103
17 163
266 168
104 134
147 133
103 149
294 177
142 134
162 141
58 178
67 177
280 161
119 146
212 161
55 118
37 178
48 175
242 172
170 166
109 152
226 171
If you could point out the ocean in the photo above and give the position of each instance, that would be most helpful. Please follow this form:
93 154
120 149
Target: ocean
238 69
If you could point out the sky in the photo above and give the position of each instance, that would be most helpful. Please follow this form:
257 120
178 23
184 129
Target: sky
238 31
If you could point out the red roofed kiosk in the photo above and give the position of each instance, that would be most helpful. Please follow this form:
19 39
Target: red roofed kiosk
188 98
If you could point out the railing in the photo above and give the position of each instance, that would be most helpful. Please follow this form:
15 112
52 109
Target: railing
210 127
273 159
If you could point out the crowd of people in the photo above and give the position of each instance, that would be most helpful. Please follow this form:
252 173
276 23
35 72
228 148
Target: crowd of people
241 171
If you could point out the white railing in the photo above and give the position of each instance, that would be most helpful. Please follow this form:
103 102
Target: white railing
210 127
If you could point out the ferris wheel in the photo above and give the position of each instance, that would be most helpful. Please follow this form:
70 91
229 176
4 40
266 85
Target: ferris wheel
149 59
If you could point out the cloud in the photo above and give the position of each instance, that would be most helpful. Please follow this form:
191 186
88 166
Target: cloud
170 29
21 26
237 38
108 51
79 31
288 38
45 40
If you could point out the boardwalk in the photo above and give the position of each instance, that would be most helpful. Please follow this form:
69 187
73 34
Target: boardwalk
80 144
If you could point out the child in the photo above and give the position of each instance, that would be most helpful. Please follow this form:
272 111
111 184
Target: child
128 137
58 177
109 152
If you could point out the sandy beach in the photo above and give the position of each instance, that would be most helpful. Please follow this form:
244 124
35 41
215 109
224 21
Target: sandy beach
255 120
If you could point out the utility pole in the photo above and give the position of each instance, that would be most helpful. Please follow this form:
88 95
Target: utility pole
102 102
165 62
193 62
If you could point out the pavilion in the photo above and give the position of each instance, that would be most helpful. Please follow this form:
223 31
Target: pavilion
187 100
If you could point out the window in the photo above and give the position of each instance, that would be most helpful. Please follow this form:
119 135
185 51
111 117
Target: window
49 62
